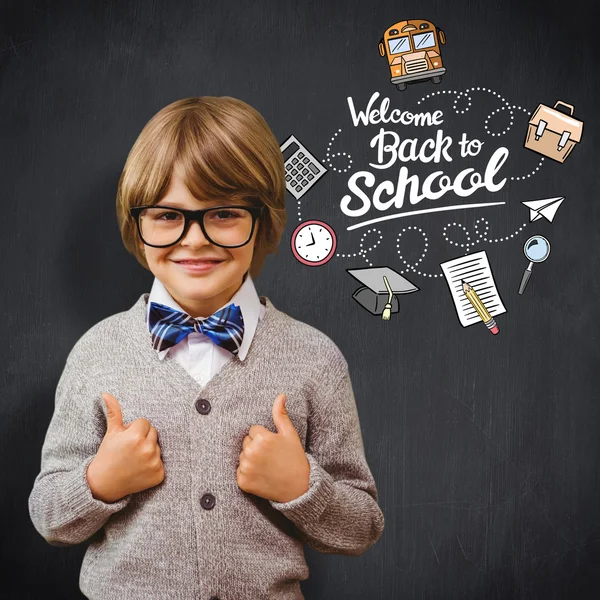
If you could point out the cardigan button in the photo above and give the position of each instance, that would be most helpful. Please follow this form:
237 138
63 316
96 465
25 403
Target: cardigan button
207 501
214 598
203 406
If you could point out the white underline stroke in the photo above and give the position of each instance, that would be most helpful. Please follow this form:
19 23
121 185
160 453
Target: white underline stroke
421 212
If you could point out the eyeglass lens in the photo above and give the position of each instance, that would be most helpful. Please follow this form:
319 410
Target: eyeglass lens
224 226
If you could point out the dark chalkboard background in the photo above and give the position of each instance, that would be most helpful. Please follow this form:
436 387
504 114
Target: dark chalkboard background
484 448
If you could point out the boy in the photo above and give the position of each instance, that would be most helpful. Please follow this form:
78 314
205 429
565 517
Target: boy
202 436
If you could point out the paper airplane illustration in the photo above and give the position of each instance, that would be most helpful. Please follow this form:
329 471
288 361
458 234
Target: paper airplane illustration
543 208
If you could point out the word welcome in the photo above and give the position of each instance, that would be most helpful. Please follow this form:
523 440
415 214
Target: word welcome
373 116
391 147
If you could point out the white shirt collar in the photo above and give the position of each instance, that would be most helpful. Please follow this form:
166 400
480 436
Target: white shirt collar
246 298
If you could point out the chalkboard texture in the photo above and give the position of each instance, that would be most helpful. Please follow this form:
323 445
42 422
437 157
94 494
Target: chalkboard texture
484 446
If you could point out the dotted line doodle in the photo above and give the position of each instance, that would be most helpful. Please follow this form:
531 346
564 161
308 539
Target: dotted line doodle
327 160
364 251
506 106
480 235
413 267
328 155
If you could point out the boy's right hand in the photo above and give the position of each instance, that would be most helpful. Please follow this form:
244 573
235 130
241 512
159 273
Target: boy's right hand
128 459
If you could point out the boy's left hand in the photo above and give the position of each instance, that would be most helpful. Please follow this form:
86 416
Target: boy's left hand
273 465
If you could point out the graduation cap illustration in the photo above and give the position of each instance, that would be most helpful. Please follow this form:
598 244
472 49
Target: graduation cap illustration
380 287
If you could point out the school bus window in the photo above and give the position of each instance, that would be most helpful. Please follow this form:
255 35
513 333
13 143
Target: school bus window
400 44
414 53
424 40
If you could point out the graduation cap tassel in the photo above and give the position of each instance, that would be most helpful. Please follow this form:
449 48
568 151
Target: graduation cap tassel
387 311
374 294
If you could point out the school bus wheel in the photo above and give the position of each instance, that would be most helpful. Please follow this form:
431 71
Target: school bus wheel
401 86
436 79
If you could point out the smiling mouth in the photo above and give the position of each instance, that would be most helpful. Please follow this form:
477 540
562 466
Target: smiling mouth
198 262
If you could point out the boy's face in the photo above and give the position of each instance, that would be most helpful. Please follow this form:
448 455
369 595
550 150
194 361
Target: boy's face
200 294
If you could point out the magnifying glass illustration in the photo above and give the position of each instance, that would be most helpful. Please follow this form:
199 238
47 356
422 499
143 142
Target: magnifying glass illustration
536 250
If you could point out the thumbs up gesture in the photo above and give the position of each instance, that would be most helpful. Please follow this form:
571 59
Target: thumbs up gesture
274 465
128 459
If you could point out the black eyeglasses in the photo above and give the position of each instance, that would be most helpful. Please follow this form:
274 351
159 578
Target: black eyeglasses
224 226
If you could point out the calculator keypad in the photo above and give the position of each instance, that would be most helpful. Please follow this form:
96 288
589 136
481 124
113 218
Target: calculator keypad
302 169
299 175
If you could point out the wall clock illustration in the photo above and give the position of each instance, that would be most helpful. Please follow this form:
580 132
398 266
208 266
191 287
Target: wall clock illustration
313 243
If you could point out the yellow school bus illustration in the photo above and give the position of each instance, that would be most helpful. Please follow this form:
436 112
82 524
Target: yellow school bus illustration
413 52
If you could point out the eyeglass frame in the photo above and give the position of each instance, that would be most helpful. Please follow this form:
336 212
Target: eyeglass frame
196 215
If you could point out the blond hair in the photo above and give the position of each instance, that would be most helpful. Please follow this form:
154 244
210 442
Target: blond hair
224 149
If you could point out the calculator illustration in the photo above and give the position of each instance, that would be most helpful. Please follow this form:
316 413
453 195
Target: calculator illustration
302 169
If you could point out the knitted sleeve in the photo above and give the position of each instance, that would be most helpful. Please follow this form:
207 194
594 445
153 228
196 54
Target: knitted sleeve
339 513
61 505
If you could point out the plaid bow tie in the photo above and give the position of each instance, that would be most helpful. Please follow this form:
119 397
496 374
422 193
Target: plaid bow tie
169 326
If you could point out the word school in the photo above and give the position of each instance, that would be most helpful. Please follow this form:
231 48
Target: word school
390 147
444 184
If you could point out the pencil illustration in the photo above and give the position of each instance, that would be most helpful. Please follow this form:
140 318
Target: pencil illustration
478 305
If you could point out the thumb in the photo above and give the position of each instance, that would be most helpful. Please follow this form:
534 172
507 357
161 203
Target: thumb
114 416
280 416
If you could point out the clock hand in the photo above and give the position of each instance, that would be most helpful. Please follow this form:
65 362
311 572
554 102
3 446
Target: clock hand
313 240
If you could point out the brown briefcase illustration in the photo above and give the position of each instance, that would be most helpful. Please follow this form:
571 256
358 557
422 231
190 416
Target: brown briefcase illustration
553 133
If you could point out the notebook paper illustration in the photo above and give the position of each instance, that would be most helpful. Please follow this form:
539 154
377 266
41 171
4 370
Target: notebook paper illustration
475 270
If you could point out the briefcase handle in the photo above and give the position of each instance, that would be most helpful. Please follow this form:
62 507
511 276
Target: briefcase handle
568 106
